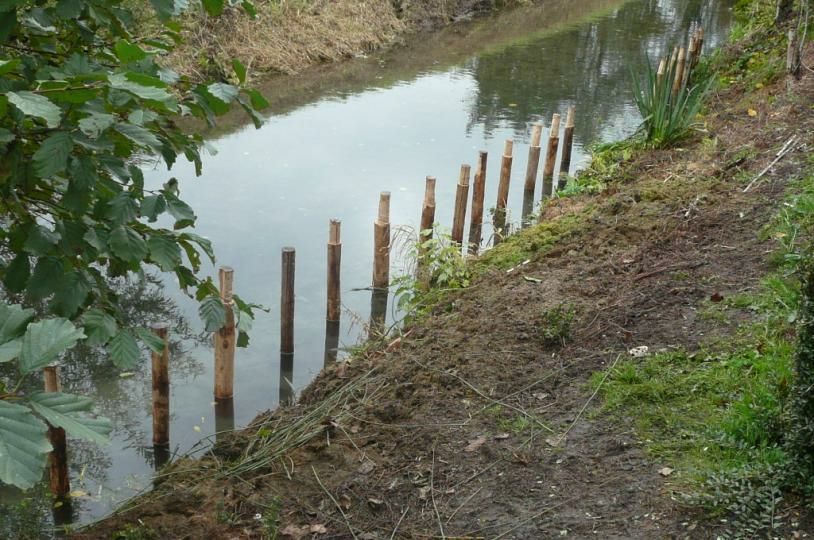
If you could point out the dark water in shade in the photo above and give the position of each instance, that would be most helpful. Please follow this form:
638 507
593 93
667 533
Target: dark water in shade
335 138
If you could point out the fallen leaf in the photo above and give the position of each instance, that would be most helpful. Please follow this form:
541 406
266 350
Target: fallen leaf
501 436
423 492
716 297
639 352
555 441
318 528
196 428
475 444
751 112
77 493
532 279
666 471
295 532
375 503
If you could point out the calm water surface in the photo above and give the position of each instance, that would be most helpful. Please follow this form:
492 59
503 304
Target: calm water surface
338 136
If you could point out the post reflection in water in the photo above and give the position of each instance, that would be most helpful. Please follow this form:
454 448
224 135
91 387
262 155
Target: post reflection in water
62 512
161 455
528 207
286 392
378 312
331 342
224 417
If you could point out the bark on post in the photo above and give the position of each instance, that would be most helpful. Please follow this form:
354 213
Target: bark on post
287 301
427 215
381 242
567 146
225 339
793 63
59 480
530 185
161 387
478 194
499 219
551 156
461 198
334 309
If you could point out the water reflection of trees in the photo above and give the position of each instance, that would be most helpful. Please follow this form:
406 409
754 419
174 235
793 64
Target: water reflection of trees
587 66
124 398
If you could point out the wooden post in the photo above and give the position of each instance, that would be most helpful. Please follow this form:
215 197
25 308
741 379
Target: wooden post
287 301
660 75
58 458
331 342
378 313
334 310
551 156
534 158
567 146
225 339
381 243
161 387
679 74
461 198
478 194
499 219
671 67
285 395
427 216
224 417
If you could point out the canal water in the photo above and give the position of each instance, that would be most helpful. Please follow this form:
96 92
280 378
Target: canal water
335 138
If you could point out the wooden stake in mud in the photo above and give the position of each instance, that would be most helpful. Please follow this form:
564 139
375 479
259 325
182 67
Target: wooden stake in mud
679 75
660 74
461 197
331 342
161 387
287 301
225 339
427 215
381 243
334 262
531 171
551 156
673 59
499 219
285 391
567 146
478 194
58 458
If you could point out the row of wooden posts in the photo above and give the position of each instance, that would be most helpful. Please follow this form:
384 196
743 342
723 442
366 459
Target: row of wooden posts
225 338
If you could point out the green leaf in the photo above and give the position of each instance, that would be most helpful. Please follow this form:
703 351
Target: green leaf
98 326
40 240
178 209
204 243
45 279
123 208
128 52
139 135
240 71
32 104
6 136
13 320
224 92
52 155
165 252
71 293
127 244
95 124
23 446
213 7
124 351
65 411
121 81
212 313
152 206
10 350
258 101
249 8
17 273
8 65
44 340
153 342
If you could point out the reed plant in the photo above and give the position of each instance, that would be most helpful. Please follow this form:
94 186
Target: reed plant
669 101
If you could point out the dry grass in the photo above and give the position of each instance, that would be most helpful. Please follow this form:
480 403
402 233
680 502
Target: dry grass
286 36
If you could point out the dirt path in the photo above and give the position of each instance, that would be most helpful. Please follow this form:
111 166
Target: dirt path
475 425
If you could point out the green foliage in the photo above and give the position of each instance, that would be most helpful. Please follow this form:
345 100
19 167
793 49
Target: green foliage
667 117
440 266
83 100
555 324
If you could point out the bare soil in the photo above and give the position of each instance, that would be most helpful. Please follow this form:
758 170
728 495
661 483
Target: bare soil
470 425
